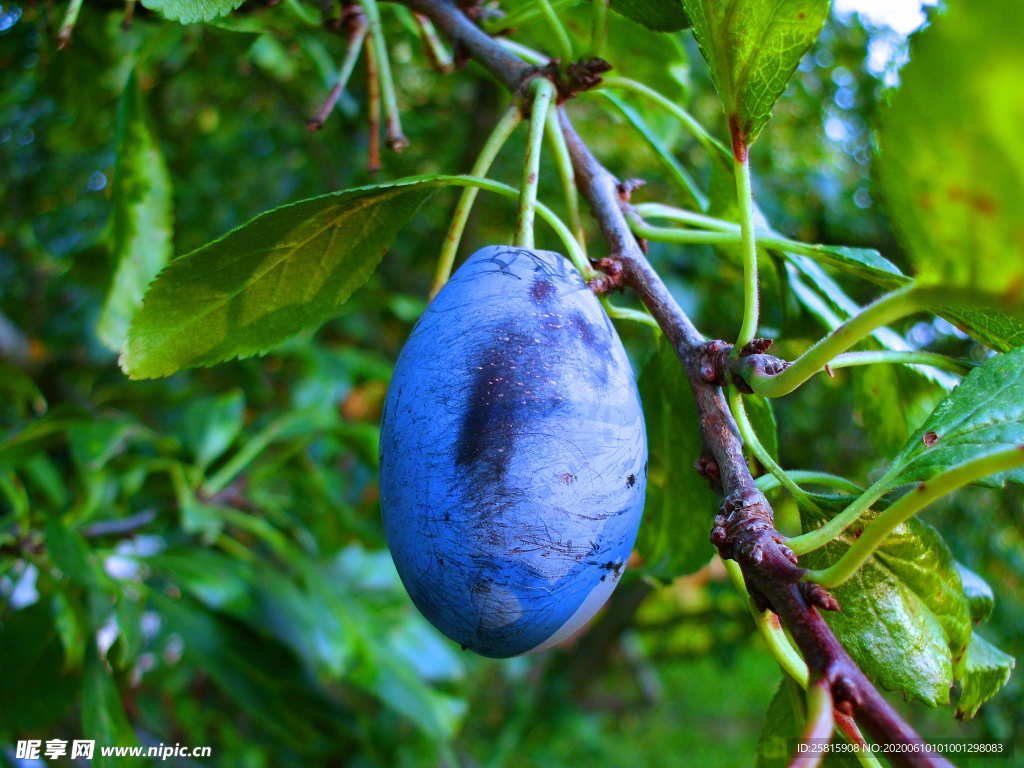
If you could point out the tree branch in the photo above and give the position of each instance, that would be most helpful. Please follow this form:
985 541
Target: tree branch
744 531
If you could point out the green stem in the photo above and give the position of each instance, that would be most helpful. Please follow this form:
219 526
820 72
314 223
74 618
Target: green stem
767 483
67 25
943 362
563 162
885 310
599 27
748 247
573 249
686 236
662 211
819 537
392 120
820 720
698 131
781 647
625 313
543 91
253 447
909 505
767 624
526 12
555 25
492 146
526 54
439 56
750 438
679 174
348 65
302 13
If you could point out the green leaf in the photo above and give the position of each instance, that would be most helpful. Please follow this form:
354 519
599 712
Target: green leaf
762 417
71 555
752 48
783 724
659 15
287 269
982 671
210 425
103 716
72 627
999 330
891 401
142 226
984 414
904 617
865 263
680 504
191 11
93 444
979 594
951 161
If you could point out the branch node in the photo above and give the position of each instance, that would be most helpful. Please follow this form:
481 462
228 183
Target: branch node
818 596
611 279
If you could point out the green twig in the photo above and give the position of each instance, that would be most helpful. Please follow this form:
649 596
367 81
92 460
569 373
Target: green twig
820 720
662 211
679 174
392 119
557 29
67 25
909 505
599 27
625 313
767 483
685 236
449 248
907 357
523 52
438 55
885 310
750 438
767 624
748 248
525 13
573 249
560 154
543 91
698 131
348 65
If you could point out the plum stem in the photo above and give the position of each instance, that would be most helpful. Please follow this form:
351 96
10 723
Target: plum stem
542 91
492 146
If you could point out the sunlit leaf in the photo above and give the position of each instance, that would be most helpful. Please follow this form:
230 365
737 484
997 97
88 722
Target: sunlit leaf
752 48
981 673
984 414
904 617
287 269
191 11
142 226
951 160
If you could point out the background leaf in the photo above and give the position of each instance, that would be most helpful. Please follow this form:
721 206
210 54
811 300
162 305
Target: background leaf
959 211
191 11
285 270
209 425
103 716
680 504
903 616
660 15
752 48
982 671
142 219
984 414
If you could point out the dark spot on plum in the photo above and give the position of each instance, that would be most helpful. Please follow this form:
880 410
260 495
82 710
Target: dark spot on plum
586 332
631 481
541 291
568 478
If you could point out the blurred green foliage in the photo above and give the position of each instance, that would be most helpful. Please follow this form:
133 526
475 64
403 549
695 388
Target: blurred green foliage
199 559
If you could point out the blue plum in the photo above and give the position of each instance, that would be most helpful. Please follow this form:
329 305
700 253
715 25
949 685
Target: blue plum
513 455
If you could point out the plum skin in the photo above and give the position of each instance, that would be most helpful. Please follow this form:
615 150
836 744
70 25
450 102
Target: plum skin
513 454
